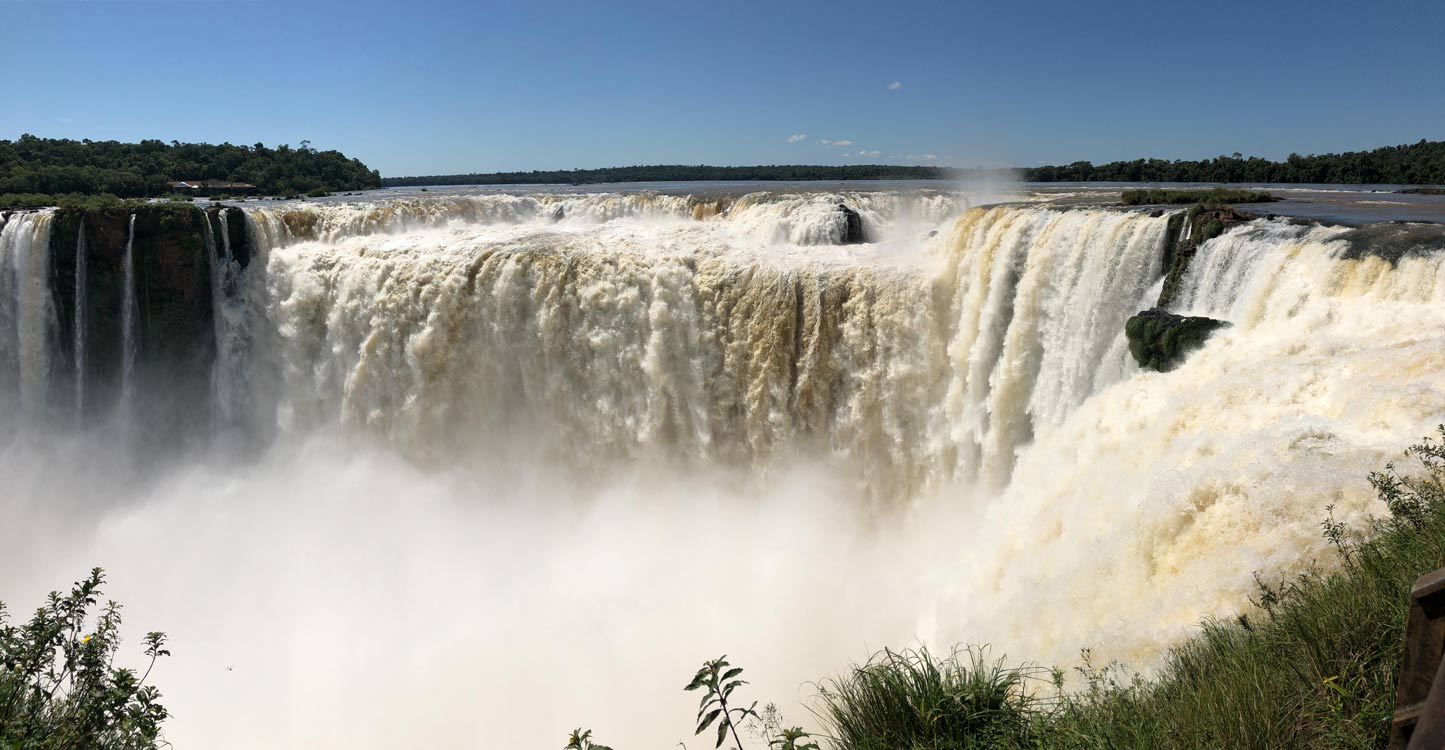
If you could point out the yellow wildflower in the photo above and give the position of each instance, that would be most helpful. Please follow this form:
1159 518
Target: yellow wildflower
85 639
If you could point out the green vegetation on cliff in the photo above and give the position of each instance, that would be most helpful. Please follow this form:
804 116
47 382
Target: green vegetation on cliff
1420 163
50 166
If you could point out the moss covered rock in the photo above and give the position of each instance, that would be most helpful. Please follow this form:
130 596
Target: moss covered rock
1161 340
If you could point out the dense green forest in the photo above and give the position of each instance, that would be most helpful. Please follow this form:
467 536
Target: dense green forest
136 170
1422 163
680 173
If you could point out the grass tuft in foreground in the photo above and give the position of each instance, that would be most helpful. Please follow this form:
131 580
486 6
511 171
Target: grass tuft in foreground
914 700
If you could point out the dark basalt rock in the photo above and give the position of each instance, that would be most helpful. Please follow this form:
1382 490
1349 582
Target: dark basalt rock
175 334
1393 241
1161 340
853 234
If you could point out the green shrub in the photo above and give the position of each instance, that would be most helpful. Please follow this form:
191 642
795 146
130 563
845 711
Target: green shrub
317 193
58 688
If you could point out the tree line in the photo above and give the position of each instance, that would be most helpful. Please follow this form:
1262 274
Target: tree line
1420 163
680 173
136 170
58 166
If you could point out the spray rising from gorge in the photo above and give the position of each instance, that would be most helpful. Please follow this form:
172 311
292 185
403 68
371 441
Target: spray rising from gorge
901 416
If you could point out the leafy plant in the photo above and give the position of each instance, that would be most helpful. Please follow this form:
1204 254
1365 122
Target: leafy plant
581 739
793 738
720 681
59 687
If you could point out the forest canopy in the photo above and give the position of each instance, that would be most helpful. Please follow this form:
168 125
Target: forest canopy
137 170
1422 163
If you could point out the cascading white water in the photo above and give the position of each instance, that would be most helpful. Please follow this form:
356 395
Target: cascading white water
702 343
492 413
78 318
810 219
27 316
1167 493
235 315
130 336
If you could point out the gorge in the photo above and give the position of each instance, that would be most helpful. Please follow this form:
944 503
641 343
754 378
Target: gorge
562 417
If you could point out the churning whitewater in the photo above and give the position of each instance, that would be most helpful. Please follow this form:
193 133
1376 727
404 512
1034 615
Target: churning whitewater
462 448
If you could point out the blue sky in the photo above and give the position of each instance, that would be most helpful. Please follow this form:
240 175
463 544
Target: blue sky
442 86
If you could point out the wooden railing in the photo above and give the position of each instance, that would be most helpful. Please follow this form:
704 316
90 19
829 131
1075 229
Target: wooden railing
1419 721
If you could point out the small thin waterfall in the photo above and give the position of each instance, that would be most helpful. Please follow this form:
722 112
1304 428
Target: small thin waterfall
78 339
216 266
129 338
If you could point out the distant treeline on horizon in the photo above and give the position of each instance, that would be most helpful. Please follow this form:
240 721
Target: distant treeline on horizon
682 173
59 166
44 167
1421 163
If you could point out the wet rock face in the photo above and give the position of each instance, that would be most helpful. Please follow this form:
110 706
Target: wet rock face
1161 340
854 234
1205 223
174 331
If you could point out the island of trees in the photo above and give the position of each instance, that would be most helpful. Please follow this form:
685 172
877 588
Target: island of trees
52 167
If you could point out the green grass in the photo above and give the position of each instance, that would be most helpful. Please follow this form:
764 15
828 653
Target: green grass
1313 664
913 700
1212 197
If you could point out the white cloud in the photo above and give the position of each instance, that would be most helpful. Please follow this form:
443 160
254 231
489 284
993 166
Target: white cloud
846 155
922 157
797 137
895 85
844 142
870 154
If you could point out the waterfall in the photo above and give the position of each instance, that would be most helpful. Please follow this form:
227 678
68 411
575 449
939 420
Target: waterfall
1195 480
130 336
700 343
79 323
540 400
233 321
28 320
